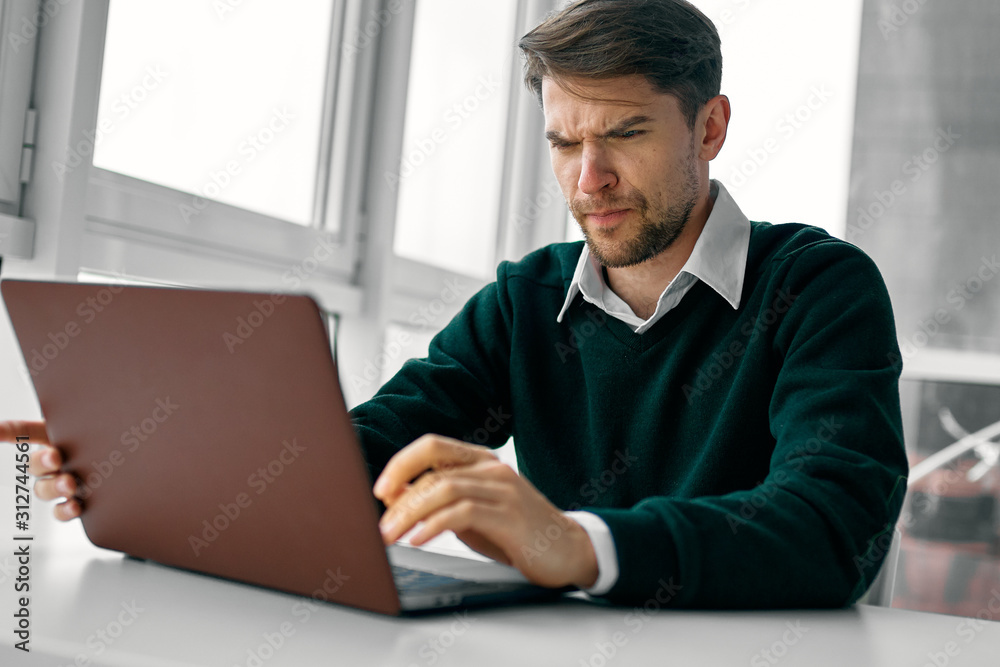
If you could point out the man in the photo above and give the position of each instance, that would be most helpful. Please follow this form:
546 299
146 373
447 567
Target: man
703 408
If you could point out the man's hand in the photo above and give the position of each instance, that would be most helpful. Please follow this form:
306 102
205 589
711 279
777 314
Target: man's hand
44 464
452 485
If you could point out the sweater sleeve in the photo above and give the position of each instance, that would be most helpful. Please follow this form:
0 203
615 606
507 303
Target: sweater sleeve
459 390
813 532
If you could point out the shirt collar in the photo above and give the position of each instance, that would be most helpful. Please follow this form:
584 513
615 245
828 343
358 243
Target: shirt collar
719 257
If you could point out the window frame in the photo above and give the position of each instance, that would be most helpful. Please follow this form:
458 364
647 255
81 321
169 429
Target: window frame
528 215
396 287
133 223
107 224
17 63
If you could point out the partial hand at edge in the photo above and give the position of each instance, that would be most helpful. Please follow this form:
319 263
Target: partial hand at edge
45 464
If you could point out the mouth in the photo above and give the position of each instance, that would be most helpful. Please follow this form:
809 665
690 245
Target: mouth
608 217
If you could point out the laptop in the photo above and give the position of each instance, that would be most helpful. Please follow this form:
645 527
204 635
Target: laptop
210 433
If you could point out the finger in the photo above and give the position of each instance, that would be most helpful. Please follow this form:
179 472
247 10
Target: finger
428 495
55 486
434 452
44 461
10 431
462 516
67 510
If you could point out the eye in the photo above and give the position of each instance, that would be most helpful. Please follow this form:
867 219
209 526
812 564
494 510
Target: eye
562 145
629 134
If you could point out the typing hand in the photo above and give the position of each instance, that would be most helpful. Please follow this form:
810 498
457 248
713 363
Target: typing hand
466 489
44 464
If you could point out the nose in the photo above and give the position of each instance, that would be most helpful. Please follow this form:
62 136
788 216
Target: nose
596 172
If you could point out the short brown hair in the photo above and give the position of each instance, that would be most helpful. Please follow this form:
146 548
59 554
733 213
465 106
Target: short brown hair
670 42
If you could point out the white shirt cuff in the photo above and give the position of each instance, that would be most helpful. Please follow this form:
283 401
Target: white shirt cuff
604 548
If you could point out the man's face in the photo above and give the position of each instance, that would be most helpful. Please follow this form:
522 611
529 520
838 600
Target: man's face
626 162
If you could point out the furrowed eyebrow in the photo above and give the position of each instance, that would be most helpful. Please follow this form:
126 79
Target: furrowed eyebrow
555 138
624 126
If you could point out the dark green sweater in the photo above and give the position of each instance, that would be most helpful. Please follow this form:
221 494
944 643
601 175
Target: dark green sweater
754 457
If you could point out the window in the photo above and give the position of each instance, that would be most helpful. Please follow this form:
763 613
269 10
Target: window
19 23
231 111
790 71
134 178
451 169
788 150
233 155
949 523
459 171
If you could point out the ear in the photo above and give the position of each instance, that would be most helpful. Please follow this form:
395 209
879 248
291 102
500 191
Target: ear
714 123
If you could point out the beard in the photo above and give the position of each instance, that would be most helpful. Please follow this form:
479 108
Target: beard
659 227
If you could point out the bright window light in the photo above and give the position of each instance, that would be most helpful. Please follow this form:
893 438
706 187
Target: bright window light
450 173
790 69
220 100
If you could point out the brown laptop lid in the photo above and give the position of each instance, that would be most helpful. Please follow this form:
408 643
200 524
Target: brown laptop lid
210 431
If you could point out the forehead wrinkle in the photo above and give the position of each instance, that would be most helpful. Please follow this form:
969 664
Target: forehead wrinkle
609 127
598 110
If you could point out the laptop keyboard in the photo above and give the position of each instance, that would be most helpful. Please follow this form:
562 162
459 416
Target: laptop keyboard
418 581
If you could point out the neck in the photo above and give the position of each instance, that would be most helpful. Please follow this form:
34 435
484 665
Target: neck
640 286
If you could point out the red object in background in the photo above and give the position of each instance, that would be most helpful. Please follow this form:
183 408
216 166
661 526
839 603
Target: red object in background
950 546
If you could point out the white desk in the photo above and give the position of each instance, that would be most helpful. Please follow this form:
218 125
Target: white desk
188 619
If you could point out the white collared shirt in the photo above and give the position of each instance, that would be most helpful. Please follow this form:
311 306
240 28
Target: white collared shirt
718 259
